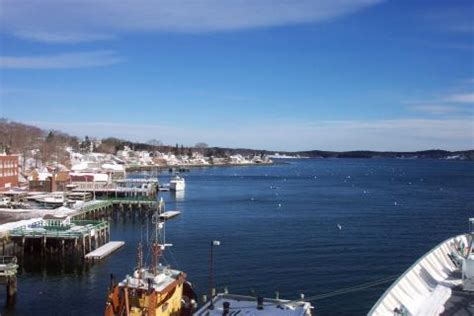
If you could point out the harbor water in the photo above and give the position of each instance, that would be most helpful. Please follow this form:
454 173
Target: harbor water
308 226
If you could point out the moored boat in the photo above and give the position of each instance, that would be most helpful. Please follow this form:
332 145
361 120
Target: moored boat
177 183
156 290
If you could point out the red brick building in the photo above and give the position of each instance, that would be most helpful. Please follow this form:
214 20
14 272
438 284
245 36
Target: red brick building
8 172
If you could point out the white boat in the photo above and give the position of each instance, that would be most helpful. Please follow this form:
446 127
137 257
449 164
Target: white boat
177 183
439 283
230 304
51 199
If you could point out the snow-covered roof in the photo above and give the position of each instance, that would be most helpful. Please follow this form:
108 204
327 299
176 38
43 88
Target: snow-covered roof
83 165
101 177
113 166
98 177
43 176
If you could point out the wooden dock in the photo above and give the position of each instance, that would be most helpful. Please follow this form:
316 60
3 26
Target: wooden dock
70 235
104 208
169 214
104 250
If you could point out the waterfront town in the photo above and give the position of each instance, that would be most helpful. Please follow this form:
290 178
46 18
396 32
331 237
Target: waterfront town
90 175
63 204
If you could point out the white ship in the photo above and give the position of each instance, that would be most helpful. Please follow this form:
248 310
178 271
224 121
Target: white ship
439 283
177 183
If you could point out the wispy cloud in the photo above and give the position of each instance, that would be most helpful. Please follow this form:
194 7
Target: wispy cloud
455 103
435 109
461 98
63 37
401 134
61 61
455 18
82 20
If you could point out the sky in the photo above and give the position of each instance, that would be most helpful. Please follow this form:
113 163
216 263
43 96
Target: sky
266 74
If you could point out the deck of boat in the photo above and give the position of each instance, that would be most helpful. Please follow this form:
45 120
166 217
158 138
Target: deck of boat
240 305
460 303
431 286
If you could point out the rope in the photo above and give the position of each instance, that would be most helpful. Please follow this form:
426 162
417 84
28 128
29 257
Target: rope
356 288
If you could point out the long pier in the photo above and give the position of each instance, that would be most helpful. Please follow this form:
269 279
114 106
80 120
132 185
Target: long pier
104 208
81 229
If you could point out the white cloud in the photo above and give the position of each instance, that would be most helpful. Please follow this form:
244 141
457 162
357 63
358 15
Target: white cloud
398 135
62 37
444 104
41 20
61 61
461 98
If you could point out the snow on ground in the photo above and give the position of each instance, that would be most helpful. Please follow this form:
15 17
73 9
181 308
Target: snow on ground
11 216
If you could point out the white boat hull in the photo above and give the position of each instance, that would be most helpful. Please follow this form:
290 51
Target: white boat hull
177 185
425 288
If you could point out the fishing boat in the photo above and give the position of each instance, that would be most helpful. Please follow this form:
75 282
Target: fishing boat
156 290
439 283
177 183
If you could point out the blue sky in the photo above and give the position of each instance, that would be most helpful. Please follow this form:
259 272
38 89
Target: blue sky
278 75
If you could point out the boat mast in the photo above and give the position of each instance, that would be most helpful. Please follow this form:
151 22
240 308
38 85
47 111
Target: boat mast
139 256
156 246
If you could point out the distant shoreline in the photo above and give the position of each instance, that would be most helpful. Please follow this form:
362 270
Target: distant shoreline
147 168
282 161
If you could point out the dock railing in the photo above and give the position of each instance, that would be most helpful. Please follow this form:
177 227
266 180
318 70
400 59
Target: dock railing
76 230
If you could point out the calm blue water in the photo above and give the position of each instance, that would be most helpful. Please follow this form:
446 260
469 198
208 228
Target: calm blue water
278 228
